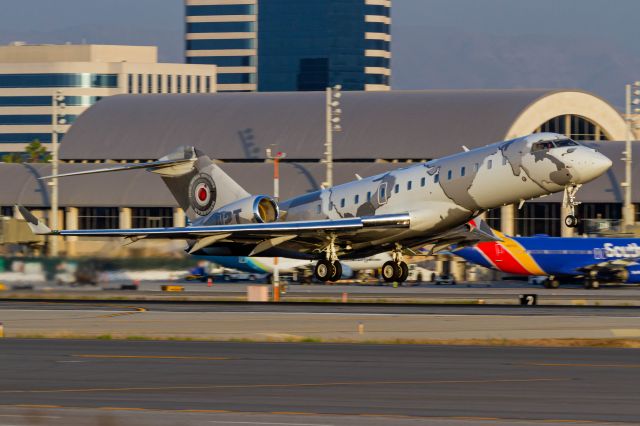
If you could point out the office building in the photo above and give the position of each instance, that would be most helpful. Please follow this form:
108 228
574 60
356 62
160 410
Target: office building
291 45
30 75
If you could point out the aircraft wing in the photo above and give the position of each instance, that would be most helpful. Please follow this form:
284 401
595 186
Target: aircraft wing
611 264
462 236
267 234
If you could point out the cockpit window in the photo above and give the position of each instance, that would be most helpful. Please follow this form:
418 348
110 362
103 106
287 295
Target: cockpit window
542 146
565 142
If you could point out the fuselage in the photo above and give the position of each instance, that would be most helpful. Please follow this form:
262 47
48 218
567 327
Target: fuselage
444 193
267 265
558 256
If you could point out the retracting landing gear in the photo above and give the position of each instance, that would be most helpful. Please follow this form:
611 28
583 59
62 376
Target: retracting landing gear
570 201
395 270
329 269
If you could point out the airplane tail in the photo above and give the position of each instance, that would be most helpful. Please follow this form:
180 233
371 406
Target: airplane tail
195 181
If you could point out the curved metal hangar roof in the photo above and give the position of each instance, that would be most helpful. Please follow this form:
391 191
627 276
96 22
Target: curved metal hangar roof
376 125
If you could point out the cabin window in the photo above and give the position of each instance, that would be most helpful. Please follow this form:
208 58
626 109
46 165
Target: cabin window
369 196
356 199
476 167
462 171
489 164
396 188
449 175
423 181
342 202
436 178
383 192
409 186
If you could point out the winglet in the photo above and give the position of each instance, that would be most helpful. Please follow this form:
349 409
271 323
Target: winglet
34 223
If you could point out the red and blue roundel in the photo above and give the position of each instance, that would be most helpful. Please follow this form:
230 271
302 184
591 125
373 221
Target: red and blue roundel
202 194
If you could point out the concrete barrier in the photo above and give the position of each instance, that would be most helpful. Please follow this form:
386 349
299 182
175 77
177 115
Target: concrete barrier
257 293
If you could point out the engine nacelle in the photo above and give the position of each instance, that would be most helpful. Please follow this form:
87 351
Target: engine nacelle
254 209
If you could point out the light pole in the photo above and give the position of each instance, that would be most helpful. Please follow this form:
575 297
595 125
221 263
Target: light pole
276 195
332 125
58 105
632 103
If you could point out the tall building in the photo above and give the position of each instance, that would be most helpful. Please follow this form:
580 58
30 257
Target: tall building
291 45
30 75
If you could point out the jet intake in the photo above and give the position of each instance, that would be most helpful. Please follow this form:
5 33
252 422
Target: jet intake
254 209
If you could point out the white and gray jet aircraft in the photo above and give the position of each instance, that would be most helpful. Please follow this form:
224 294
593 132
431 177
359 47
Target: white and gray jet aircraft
426 204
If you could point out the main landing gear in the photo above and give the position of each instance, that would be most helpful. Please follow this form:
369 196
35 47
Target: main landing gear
570 201
329 269
395 270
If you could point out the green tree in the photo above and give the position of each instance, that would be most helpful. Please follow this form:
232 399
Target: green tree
33 153
36 153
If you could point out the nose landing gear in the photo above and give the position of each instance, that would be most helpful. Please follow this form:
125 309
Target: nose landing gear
569 201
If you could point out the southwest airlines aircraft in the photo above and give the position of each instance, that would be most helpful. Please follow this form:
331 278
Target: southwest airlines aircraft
590 260
396 212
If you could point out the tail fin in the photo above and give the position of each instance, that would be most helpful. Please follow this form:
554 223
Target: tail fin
202 188
197 183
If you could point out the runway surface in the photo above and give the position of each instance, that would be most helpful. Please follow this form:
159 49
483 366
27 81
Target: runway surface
72 382
320 322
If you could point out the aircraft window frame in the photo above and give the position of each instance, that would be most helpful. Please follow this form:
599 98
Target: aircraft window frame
356 199
436 178
343 202
449 174
368 196
563 143
396 188
423 181
489 164
409 185
463 170
542 146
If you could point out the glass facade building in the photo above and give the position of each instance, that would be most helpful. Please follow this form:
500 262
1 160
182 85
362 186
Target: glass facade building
291 45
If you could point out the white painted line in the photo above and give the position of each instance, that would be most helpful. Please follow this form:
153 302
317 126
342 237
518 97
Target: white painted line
269 423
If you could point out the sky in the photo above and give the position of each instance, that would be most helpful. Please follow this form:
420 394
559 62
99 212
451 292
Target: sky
586 44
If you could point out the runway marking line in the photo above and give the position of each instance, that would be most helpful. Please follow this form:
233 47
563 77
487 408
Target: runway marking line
558 364
119 314
390 415
285 385
198 358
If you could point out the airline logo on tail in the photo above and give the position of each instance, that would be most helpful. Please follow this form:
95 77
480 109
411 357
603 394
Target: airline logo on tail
507 255
202 194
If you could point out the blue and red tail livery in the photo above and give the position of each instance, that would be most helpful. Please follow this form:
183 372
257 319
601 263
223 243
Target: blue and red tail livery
592 260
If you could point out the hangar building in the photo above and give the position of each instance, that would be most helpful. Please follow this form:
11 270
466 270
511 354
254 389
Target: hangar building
381 130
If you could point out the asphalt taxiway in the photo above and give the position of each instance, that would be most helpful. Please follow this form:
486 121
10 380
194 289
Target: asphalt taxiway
75 382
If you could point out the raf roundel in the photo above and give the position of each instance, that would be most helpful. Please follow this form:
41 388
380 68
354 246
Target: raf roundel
202 194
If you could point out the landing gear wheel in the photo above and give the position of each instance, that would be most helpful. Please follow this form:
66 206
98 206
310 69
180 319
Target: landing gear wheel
404 272
591 284
324 270
337 271
571 221
390 271
551 283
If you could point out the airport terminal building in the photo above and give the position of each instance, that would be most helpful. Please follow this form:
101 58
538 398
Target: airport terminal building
381 131
81 74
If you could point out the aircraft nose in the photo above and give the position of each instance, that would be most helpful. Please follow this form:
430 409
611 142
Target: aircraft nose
595 165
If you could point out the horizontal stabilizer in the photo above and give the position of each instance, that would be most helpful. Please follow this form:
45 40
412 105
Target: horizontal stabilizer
184 156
